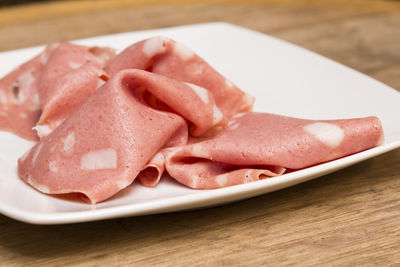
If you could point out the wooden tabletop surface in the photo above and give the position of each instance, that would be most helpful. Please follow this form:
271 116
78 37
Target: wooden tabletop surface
348 218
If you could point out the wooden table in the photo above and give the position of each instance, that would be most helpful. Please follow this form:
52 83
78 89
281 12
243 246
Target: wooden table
351 217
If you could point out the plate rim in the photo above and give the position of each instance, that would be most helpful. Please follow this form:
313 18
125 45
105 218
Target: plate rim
159 206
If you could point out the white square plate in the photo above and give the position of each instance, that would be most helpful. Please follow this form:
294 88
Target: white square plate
284 78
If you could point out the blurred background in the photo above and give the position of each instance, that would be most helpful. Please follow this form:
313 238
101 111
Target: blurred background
363 34
4 3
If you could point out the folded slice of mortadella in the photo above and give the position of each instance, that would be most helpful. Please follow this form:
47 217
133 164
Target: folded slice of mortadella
49 87
102 146
192 102
260 145
151 174
166 57
19 99
71 75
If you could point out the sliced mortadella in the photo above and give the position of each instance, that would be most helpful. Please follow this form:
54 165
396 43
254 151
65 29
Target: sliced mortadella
151 174
103 145
260 145
39 85
67 57
140 55
19 100
166 57
71 75
192 102
67 93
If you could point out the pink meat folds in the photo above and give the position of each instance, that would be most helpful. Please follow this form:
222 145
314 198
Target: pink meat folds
260 145
19 100
157 106
71 74
101 147
45 90
164 56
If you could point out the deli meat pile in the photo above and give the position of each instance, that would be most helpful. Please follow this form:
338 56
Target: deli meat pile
102 120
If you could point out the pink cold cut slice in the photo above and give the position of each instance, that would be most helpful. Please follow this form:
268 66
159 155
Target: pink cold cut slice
260 145
72 73
151 174
45 90
171 59
171 95
19 99
105 143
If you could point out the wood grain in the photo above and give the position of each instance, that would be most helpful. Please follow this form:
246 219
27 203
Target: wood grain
348 218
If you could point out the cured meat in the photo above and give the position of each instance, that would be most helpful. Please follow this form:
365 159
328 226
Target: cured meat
192 102
19 100
71 75
151 174
159 94
103 145
166 57
47 88
111 120
260 145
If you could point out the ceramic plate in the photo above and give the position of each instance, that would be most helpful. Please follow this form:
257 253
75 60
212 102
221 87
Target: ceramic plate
284 78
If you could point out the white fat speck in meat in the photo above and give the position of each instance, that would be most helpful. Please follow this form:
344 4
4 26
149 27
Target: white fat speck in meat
3 98
217 115
154 46
35 102
200 92
53 166
183 52
194 181
328 133
222 180
36 153
42 130
44 57
194 69
25 81
74 65
99 159
69 143
234 126
200 151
